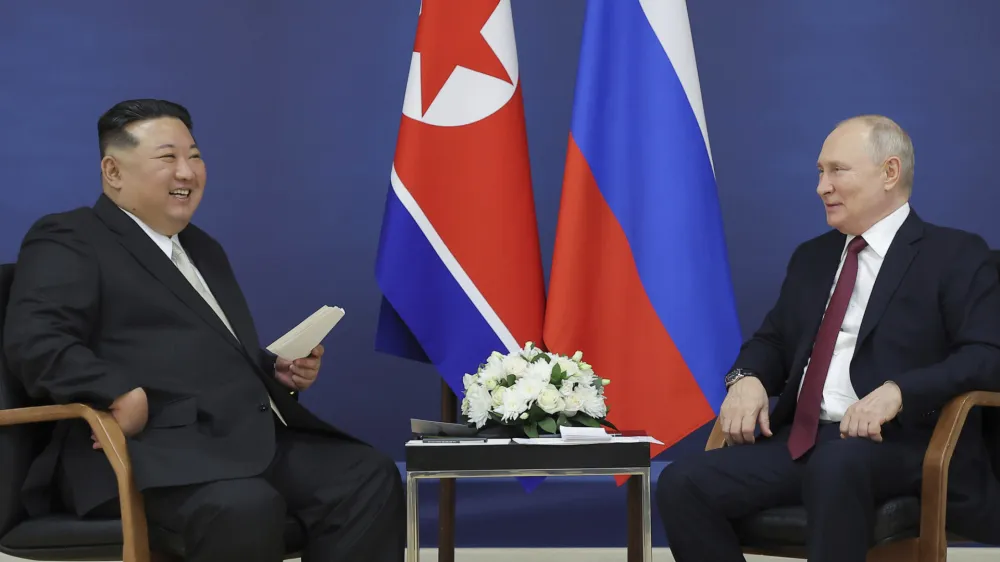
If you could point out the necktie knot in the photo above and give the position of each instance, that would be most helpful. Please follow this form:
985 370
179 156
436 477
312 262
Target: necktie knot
855 246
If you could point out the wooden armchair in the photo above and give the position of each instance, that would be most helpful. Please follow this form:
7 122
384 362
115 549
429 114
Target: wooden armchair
24 431
906 528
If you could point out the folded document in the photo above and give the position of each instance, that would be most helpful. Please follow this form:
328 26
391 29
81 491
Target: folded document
302 339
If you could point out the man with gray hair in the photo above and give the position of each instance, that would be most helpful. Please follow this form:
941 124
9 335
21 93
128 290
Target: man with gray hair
878 323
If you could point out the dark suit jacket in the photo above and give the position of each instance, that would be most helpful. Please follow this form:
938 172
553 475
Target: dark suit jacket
96 310
932 325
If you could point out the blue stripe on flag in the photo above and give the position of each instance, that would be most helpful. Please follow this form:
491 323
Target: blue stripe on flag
638 133
425 295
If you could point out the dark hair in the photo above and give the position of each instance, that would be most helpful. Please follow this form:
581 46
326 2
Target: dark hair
111 125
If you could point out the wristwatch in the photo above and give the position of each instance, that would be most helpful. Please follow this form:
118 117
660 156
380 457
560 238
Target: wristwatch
737 374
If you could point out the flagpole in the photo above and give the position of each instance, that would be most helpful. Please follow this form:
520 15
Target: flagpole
446 498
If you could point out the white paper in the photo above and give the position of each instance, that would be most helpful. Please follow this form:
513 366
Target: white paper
302 339
561 441
593 434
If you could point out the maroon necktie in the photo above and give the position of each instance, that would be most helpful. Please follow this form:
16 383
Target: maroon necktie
806 422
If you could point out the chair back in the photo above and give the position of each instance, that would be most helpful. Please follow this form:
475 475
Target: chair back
19 445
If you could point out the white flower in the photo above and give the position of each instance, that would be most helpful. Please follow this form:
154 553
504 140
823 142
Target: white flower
577 356
572 404
469 380
591 403
492 371
512 405
568 366
540 371
476 405
530 351
529 388
514 365
496 397
550 400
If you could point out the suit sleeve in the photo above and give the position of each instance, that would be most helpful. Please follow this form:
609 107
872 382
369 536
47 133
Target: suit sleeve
766 352
52 313
970 305
268 360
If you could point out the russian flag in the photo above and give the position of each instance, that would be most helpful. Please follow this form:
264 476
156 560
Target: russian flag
640 278
459 263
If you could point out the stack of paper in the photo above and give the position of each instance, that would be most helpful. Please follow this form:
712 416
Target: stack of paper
302 339
592 434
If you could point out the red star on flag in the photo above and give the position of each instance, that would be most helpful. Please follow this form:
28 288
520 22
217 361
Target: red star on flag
448 35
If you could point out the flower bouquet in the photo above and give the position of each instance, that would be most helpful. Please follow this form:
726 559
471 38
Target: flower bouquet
530 391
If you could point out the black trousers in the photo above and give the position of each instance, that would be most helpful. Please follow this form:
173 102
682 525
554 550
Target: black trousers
347 495
840 482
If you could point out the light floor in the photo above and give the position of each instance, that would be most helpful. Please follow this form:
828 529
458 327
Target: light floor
618 554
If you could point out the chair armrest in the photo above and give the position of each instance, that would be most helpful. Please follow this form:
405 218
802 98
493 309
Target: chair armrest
716 439
112 440
934 492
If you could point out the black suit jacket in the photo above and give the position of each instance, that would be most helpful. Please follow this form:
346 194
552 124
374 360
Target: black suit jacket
96 310
932 325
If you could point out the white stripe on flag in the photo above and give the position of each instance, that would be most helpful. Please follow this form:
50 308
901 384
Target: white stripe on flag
669 20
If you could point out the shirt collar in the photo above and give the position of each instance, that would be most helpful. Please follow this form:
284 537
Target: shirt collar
164 242
880 235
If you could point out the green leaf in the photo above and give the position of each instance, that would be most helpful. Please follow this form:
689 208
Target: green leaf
562 420
531 430
586 420
511 379
549 425
606 423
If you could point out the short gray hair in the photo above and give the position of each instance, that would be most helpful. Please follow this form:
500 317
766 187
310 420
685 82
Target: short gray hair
886 139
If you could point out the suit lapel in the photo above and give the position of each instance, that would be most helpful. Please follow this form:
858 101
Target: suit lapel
897 261
152 258
820 269
223 286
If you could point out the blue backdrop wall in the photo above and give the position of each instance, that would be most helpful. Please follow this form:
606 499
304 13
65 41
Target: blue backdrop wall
296 106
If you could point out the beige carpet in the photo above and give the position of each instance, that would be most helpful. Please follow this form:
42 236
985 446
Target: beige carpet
618 554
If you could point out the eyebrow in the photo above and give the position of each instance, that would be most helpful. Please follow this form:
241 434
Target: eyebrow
168 145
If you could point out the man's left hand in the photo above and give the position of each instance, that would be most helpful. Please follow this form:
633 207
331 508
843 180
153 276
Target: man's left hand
299 375
865 417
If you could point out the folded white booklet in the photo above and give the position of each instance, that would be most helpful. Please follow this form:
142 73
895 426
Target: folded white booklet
302 339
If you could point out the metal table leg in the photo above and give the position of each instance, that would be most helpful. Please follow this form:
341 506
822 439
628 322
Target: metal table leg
412 520
647 524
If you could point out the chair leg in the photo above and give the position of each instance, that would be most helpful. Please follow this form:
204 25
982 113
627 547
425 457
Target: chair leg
899 551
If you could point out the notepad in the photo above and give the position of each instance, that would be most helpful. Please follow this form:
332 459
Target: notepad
302 339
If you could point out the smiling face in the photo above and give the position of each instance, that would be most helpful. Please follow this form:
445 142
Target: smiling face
856 190
160 178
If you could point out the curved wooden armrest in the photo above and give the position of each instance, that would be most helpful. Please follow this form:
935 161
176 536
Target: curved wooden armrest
716 439
112 440
934 492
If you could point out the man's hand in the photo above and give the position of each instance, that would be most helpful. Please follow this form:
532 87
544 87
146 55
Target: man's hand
131 411
744 407
299 375
865 417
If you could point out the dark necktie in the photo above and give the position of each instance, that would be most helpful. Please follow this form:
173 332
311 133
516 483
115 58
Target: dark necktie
806 422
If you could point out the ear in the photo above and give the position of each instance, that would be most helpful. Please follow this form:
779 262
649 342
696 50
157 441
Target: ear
111 171
890 173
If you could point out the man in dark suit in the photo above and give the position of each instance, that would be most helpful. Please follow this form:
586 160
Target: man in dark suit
878 324
129 307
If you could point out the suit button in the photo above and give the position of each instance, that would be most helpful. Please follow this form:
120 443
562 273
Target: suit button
262 407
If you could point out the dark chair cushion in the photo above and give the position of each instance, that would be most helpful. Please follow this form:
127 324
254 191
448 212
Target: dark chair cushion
64 537
786 526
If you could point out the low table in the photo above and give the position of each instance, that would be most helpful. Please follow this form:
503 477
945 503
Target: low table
506 458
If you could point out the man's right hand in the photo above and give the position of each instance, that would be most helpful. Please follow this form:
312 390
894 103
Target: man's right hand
131 411
744 407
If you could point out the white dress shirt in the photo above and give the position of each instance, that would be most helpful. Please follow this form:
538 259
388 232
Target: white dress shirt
838 392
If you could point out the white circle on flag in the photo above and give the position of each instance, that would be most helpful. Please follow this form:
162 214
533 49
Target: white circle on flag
469 96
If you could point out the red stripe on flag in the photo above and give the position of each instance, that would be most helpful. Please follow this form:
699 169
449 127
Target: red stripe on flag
474 184
597 305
